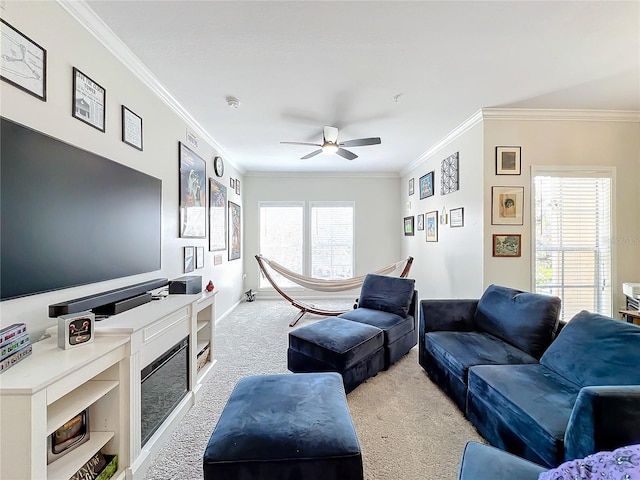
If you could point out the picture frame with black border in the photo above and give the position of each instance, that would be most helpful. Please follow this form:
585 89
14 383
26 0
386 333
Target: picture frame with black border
507 245
188 259
426 185
193 194
456 217
217 216
507 205
89 101
28 73
508 160
235 236
411 186
199 257
420 222
232 184
131 128
408 226
237 187
431 226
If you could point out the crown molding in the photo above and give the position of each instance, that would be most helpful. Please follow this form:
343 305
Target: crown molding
549 114
469 123
86 17
316 175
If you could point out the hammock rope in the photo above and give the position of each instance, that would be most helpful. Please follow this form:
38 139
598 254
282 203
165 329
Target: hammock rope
321 285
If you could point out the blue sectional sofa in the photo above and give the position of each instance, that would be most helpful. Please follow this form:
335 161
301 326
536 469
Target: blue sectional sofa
542 398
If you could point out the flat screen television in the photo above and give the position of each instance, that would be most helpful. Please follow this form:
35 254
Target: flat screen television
69 217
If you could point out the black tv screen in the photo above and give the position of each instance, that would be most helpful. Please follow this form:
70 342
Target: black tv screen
70 217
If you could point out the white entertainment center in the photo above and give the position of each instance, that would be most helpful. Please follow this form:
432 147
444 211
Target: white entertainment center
43 391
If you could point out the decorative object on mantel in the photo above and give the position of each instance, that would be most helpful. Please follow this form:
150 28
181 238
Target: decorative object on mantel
449 174
507 245
507 205
23 62
210 286
131 128
508 160
193 194
456 217
426 185
76 329
408 226
431 221
89 101
14 345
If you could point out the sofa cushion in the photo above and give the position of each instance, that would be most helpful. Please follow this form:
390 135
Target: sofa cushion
394 326
389 294
337 342
525 320
531 401
596 350
460 350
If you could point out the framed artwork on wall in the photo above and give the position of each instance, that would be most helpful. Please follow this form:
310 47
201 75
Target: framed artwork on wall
234 231
508 161
189 259
193 194
411 186
420 222
507 205
449 174
408 226
131 128
217 216
23 62
456 217
507 245
89 100
431 226
199 257
426 185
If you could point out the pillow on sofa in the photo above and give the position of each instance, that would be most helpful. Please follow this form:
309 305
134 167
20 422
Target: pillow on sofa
389 294
622 463
525 320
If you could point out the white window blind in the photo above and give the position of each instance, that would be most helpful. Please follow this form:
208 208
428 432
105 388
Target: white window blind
331 240
282 238
573 239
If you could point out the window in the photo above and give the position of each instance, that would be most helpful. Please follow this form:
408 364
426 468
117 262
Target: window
573 238
314 239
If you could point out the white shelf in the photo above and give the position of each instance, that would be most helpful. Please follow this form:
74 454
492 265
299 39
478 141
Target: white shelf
76 401
202 324
200 345
66 466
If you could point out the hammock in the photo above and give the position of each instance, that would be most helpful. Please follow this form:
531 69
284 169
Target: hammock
321 285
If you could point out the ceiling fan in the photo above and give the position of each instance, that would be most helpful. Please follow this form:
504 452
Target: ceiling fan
330 144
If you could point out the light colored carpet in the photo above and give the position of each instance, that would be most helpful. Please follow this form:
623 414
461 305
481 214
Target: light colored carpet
408 429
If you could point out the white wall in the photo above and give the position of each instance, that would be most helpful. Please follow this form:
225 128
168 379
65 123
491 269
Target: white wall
451 267
69 45
377 226
566 142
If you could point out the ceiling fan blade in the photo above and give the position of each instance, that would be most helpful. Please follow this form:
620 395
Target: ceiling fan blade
302 143
346 154
330 134
312 154
361 142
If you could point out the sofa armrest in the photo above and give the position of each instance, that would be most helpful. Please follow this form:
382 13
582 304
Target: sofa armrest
603 419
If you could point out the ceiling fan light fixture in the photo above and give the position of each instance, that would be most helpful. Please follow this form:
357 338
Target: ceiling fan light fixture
330 148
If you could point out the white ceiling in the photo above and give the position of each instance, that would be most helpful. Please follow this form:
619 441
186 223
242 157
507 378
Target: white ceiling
297 66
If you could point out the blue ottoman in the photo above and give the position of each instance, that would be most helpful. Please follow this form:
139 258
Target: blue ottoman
283 427
354 350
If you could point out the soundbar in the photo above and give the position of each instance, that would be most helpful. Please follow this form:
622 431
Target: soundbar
100 299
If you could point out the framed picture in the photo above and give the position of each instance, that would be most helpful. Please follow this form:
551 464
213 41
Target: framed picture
88 100
449 174
23 63
431 225
188 259
232 184
237 187
507 205
420 222
408 226
217 216
193 194
426 185
508 161
199 257
411 186
235 224
456 217
507 245
131 128
217 259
